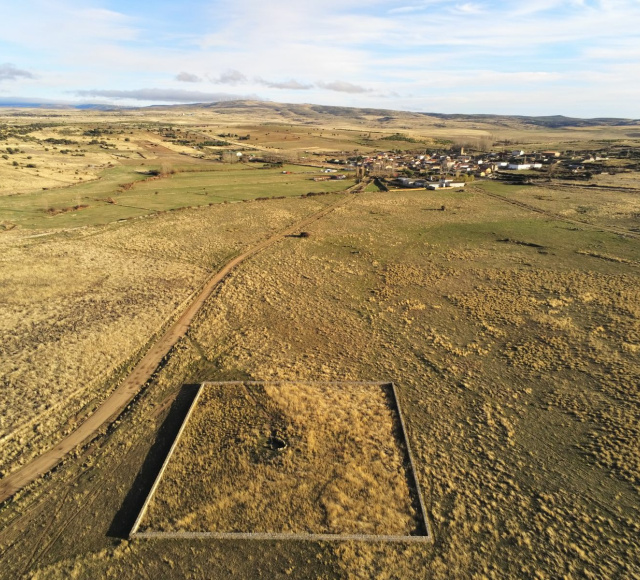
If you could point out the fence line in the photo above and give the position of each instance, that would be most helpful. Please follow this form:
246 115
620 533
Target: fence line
427 537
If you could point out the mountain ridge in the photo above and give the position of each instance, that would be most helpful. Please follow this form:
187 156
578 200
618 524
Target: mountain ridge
309 111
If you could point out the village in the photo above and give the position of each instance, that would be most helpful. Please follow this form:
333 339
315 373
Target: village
444 167
456 168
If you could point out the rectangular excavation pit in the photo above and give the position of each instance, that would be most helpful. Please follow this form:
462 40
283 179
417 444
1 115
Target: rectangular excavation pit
288 460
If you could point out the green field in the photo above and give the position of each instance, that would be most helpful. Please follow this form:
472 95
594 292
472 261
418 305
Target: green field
106 199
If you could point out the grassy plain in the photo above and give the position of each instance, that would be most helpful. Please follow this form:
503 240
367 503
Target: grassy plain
78 306
517 368
513 337
590 203
124 192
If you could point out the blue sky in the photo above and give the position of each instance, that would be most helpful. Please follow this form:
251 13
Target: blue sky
542 57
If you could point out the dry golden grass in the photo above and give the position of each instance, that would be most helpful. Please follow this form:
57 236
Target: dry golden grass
78 306
519 366
341 471
43 165
73 311
517 369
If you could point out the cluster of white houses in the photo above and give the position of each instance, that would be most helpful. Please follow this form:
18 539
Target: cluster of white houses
439 170
479 165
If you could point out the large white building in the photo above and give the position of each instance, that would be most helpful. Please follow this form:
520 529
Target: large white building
523 166
445 184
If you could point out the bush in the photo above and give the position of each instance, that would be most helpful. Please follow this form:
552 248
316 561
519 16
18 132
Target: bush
399 137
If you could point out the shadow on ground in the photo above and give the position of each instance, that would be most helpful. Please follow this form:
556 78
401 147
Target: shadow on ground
128 512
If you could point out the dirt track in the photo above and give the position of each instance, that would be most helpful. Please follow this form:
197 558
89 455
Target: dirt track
143 371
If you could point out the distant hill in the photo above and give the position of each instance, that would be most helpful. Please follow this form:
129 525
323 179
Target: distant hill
309 113
553 121
306 113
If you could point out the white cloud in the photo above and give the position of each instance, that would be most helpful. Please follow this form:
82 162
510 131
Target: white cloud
64 26
291 84
9 72
416 7
163 95
230 77
343 87
186 77
468 8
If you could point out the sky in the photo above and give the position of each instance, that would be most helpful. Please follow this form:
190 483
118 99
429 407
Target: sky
542 57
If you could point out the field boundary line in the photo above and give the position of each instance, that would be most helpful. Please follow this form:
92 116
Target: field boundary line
152 491
412 464
426 537
557 217
278 536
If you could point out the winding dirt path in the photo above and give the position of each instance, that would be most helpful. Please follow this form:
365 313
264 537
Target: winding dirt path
124 393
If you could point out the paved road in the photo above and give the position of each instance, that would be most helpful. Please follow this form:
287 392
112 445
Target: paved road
124 393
